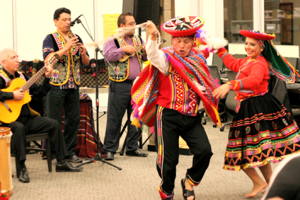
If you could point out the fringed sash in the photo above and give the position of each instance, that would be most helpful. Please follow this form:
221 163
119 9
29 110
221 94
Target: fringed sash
144 94
192 69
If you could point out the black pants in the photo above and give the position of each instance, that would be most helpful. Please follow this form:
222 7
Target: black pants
119 99
173 124
35 125
67 100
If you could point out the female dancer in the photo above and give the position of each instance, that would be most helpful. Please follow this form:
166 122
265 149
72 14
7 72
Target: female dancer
263 130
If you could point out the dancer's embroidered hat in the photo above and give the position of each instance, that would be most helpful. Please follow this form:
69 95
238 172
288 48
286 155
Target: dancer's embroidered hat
182 26
257 35
279 65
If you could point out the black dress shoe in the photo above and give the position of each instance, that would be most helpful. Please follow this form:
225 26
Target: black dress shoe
65 166
110 156
74 159
136 153
23 175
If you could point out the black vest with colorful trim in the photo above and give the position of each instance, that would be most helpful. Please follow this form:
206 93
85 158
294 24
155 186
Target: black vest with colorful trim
7 80
119 71
68 64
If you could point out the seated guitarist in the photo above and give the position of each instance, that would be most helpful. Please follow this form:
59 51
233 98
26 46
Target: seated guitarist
29 121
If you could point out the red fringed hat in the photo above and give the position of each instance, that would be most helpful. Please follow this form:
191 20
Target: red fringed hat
257 35
182 26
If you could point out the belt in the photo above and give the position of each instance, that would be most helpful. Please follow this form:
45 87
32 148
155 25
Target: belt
126 81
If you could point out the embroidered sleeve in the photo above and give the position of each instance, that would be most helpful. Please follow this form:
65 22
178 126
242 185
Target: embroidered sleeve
48 46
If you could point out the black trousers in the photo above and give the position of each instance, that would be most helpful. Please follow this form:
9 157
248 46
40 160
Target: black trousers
35 125
174 124
65 101
119 101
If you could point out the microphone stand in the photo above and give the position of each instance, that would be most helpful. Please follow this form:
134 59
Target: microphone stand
97 140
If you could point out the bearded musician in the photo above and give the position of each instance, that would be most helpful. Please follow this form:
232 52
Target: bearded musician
124 55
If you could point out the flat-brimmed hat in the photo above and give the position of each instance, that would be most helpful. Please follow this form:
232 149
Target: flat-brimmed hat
279 65
182 26
257 35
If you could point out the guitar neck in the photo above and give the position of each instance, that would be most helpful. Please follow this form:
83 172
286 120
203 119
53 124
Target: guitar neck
33 79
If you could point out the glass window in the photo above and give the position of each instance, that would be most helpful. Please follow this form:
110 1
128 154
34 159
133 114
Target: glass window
282 17
238 15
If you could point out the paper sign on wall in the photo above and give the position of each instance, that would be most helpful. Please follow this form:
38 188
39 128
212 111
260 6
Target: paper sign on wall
109 24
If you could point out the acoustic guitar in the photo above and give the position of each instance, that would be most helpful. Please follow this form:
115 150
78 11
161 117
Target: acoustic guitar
10 109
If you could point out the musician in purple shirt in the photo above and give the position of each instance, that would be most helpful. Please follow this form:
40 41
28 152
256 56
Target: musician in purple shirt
124 55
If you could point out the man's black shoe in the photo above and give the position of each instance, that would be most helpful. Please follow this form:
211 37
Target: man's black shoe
110 156
74 159
136 153
23 175
65 166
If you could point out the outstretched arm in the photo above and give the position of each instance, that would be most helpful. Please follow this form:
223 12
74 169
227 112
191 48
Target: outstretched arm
155 55
230 61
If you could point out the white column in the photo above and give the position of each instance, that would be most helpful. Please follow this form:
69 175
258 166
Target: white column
258 15
186 7
212 12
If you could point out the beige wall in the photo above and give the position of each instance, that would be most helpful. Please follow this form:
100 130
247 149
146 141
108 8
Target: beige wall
168 7
26 30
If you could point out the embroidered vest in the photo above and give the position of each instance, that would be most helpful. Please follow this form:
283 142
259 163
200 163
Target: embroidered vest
68 64
182 98
6 77
7 82
119 71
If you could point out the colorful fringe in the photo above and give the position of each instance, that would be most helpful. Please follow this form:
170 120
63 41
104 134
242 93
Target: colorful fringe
279 65
143 96
160 142
144 91
193 75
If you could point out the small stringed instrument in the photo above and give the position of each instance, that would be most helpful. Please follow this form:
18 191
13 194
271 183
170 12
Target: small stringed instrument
10 109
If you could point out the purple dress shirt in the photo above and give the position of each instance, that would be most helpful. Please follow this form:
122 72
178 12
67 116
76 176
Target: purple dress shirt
112 54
